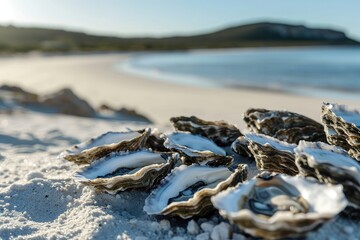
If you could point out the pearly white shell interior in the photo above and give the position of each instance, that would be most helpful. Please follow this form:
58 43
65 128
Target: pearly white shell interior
104 139
116 161
195 142
273 142
322 153
326 200
180 179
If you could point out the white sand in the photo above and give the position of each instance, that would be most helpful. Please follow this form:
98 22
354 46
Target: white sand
39 199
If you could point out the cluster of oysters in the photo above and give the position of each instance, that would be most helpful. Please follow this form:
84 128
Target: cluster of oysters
300 181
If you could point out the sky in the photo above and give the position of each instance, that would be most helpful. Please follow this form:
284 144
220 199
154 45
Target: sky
177 17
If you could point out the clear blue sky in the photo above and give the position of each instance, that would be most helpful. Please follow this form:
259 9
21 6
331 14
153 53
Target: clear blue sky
169 17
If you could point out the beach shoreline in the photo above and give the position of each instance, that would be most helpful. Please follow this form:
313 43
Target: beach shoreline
299 71
95 78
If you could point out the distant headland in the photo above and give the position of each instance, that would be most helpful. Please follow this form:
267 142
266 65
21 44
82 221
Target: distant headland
264 34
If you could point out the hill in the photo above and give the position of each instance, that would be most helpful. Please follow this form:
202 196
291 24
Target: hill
19 39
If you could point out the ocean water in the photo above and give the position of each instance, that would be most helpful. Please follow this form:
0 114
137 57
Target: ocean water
313 71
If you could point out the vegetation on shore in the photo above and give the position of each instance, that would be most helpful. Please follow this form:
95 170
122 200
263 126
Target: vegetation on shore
19 39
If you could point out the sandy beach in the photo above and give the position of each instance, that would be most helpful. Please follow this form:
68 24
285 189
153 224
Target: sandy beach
38 197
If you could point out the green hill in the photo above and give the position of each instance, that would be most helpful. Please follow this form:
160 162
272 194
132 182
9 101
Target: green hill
19 39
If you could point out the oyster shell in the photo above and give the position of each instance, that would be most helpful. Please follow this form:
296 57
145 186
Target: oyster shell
122 171
272 154
103 145
280 206
220 132
283 125
330 164
197 149
240 146
155 141
342 127
187 190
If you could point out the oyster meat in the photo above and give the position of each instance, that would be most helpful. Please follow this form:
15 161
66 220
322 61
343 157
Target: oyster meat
187 190
342 127
103 145
126 170
275 206
272 154
220 132
330 164
283 125
197 149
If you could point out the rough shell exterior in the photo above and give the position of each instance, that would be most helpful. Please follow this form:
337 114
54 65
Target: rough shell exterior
342 127
330 164
220 132
271 154
286 126
240 146
155 141
280 206
198 203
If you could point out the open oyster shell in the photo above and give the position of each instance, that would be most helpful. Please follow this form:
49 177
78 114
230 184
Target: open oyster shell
272 154
279 206
197 149
103 145
330 164
283 125
220 132
342 127
126 170
187 190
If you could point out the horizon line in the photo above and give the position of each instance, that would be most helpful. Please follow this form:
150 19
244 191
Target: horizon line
176 34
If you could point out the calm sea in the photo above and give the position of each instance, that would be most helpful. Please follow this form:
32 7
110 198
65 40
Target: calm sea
313 71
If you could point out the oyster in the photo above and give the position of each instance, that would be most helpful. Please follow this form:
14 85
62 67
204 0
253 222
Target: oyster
272 154
155 141
279 206
197 149
220 132
187 190
283 125
95 148
240 146
342 127
121 171
330 164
